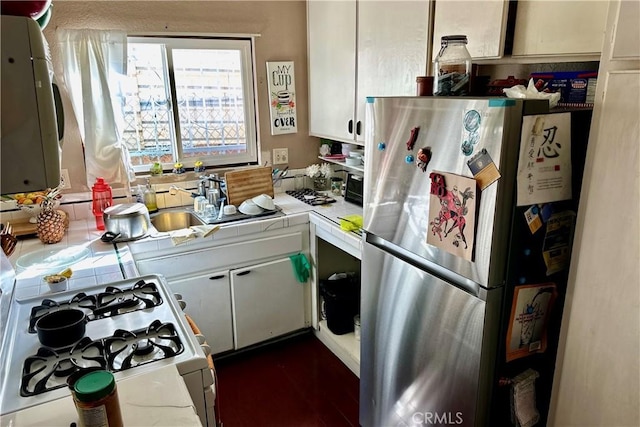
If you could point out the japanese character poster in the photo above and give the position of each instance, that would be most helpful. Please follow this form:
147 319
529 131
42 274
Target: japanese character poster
452 213
282 97
544 166
530 308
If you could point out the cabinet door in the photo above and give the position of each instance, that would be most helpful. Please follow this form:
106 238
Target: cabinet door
332 68
208 299
559 27
471 18
392 51
268 301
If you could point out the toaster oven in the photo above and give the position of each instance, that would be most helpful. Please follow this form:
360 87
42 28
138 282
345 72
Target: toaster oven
354 189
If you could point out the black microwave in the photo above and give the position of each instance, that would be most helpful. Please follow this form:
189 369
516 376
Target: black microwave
354 189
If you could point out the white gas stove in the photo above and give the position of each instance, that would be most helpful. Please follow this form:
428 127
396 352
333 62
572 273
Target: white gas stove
134 326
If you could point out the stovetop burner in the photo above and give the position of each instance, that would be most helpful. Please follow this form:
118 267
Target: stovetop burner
112 302
128 349
311 197
49 368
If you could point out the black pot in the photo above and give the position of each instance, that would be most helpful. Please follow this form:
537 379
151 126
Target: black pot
61 328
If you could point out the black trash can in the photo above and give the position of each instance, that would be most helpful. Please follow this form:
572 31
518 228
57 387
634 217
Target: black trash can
341 303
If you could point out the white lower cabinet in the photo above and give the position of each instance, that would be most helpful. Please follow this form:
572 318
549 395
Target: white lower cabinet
208 298
267 302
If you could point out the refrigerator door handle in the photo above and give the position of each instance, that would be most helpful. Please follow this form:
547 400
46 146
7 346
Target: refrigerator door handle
430 267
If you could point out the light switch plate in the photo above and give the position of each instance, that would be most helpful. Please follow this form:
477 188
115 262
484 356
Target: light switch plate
280 156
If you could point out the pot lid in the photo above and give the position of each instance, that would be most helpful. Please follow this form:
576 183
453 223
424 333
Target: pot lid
126 209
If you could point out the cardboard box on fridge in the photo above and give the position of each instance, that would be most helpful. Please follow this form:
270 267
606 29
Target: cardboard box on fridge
577 88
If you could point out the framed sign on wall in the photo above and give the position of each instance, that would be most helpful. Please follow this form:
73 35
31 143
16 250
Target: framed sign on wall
282 97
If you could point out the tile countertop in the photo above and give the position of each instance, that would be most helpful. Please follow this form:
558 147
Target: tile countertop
143 398
101 263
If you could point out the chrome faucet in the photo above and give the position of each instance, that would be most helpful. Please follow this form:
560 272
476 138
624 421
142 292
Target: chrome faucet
214 182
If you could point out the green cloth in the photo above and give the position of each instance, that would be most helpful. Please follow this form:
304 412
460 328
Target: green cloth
301 267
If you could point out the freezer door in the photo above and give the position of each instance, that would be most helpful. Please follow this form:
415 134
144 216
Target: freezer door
421 345
397 193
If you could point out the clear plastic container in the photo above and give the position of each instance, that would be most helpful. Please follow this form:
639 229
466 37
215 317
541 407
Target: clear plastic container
452 67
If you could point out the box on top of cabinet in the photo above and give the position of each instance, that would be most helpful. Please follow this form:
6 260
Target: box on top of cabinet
577 88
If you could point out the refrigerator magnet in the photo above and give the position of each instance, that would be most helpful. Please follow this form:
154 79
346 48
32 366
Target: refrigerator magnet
556 248
413 137
452 214
424 156
533 219
527 330
483 169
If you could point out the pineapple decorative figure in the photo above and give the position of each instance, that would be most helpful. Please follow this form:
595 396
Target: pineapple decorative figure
50 224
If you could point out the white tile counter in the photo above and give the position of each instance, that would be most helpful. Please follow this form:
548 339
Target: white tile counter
103 264
144 401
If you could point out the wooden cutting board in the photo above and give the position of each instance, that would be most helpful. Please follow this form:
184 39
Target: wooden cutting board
248 183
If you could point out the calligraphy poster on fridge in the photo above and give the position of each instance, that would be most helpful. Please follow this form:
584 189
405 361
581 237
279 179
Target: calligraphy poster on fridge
544 165
281 83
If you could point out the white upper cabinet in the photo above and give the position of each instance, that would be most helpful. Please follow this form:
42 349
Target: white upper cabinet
626 37
358 49
472 19
392 51
331 27
559 27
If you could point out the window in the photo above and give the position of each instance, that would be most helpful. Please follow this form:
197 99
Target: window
187 100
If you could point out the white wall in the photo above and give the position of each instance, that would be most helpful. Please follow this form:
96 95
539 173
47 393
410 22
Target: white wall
282 26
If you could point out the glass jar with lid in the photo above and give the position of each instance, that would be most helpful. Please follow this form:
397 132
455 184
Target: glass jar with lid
452 67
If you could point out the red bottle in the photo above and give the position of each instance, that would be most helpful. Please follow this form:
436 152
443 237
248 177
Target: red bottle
102 199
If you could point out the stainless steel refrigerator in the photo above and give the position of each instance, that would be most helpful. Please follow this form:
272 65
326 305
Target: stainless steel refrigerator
438 292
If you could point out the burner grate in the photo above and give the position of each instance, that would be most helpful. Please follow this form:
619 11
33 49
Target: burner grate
112 302
49 368
311 197
128 349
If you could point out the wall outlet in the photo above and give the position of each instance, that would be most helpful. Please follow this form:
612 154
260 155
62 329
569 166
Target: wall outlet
280 156
64 179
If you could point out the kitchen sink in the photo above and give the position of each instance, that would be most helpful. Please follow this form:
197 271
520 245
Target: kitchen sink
174 220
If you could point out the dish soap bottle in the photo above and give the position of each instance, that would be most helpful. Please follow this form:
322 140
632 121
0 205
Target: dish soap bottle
149 197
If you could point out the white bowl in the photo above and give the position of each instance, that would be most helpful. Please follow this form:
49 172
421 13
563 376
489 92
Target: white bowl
228 210
356 153
248 207
264 201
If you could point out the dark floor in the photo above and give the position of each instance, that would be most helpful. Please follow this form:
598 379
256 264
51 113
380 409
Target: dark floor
298 382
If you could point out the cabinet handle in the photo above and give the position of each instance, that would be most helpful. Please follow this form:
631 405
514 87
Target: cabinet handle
350 126
358 126
216 277
244 273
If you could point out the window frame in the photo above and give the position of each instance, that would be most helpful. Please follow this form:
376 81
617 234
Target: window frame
246 46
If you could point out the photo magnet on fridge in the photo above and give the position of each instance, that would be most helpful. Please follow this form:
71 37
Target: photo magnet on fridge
530 308
452 210
483 169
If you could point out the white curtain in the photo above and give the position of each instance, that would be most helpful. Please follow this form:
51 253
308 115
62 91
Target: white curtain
94 63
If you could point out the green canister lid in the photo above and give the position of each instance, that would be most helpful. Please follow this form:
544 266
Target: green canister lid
94 386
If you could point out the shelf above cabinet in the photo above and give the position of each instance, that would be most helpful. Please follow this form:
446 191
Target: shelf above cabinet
342 163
